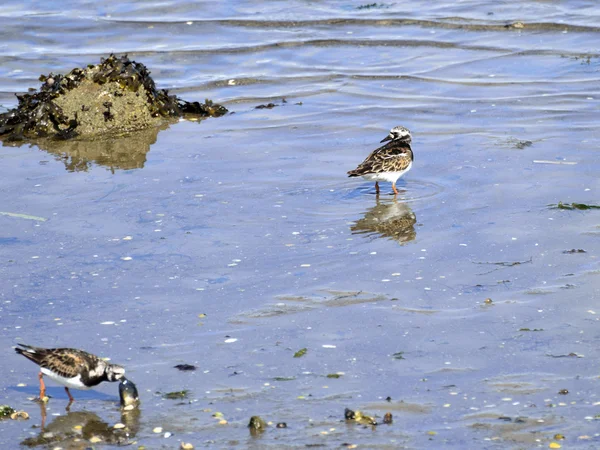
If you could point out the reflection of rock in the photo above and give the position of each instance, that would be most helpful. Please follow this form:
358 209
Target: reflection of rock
80 429
125 152
394 220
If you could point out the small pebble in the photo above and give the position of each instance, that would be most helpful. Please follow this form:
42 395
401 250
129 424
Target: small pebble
19 415
186 446
167 435
118 426
157 430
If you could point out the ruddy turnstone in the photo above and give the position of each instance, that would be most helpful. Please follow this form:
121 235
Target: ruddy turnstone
70 367
389 162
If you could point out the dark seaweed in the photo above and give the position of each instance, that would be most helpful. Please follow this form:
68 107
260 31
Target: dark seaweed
267 106
38 116
572 206
185 367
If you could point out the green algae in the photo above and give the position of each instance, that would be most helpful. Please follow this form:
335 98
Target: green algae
573 206
5 411
300 353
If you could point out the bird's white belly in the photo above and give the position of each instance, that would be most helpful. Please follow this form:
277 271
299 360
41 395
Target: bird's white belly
390 177
71 383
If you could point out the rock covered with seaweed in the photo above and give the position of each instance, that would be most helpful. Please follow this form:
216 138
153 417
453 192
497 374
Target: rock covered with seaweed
116 96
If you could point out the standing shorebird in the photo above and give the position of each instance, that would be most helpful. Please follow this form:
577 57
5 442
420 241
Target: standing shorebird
389 162
70 367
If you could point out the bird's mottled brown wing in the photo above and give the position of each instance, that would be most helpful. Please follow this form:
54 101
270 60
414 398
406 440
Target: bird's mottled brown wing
392 157
67 362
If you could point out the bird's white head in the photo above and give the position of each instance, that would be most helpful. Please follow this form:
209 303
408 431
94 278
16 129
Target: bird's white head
114 372
398 133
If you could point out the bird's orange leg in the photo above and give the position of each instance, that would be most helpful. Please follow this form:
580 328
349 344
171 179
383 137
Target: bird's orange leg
71 399
43 414
377 187
42 386
394 188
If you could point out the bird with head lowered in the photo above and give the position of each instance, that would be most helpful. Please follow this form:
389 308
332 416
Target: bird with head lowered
74 369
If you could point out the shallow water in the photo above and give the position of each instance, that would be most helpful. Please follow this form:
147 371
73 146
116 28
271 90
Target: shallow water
250 219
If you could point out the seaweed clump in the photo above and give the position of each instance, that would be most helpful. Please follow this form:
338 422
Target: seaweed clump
118 95
6 411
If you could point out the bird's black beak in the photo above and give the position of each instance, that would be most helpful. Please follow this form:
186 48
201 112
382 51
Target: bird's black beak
387 138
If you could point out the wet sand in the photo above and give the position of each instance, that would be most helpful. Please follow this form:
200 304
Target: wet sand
250 220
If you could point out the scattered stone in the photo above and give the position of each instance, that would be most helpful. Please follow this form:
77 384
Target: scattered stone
388 418
257 424
281 425
128 394
348 414
573 250
563 392
19 415
186 446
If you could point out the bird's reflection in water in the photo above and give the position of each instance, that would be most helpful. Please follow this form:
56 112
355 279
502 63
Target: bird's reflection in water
391 219
77 430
